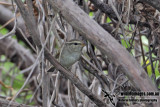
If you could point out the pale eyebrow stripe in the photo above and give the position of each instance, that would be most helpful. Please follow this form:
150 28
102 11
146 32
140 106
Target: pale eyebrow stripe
74 42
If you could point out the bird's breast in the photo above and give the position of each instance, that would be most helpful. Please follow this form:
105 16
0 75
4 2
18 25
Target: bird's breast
69 59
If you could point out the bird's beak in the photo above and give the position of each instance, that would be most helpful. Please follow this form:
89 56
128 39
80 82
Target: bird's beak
83 44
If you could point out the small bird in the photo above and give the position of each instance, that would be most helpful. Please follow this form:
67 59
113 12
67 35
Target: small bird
71 52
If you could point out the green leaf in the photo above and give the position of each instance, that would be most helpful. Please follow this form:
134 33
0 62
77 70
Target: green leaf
91 14
108 20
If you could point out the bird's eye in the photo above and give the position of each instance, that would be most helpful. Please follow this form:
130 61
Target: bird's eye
75 43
